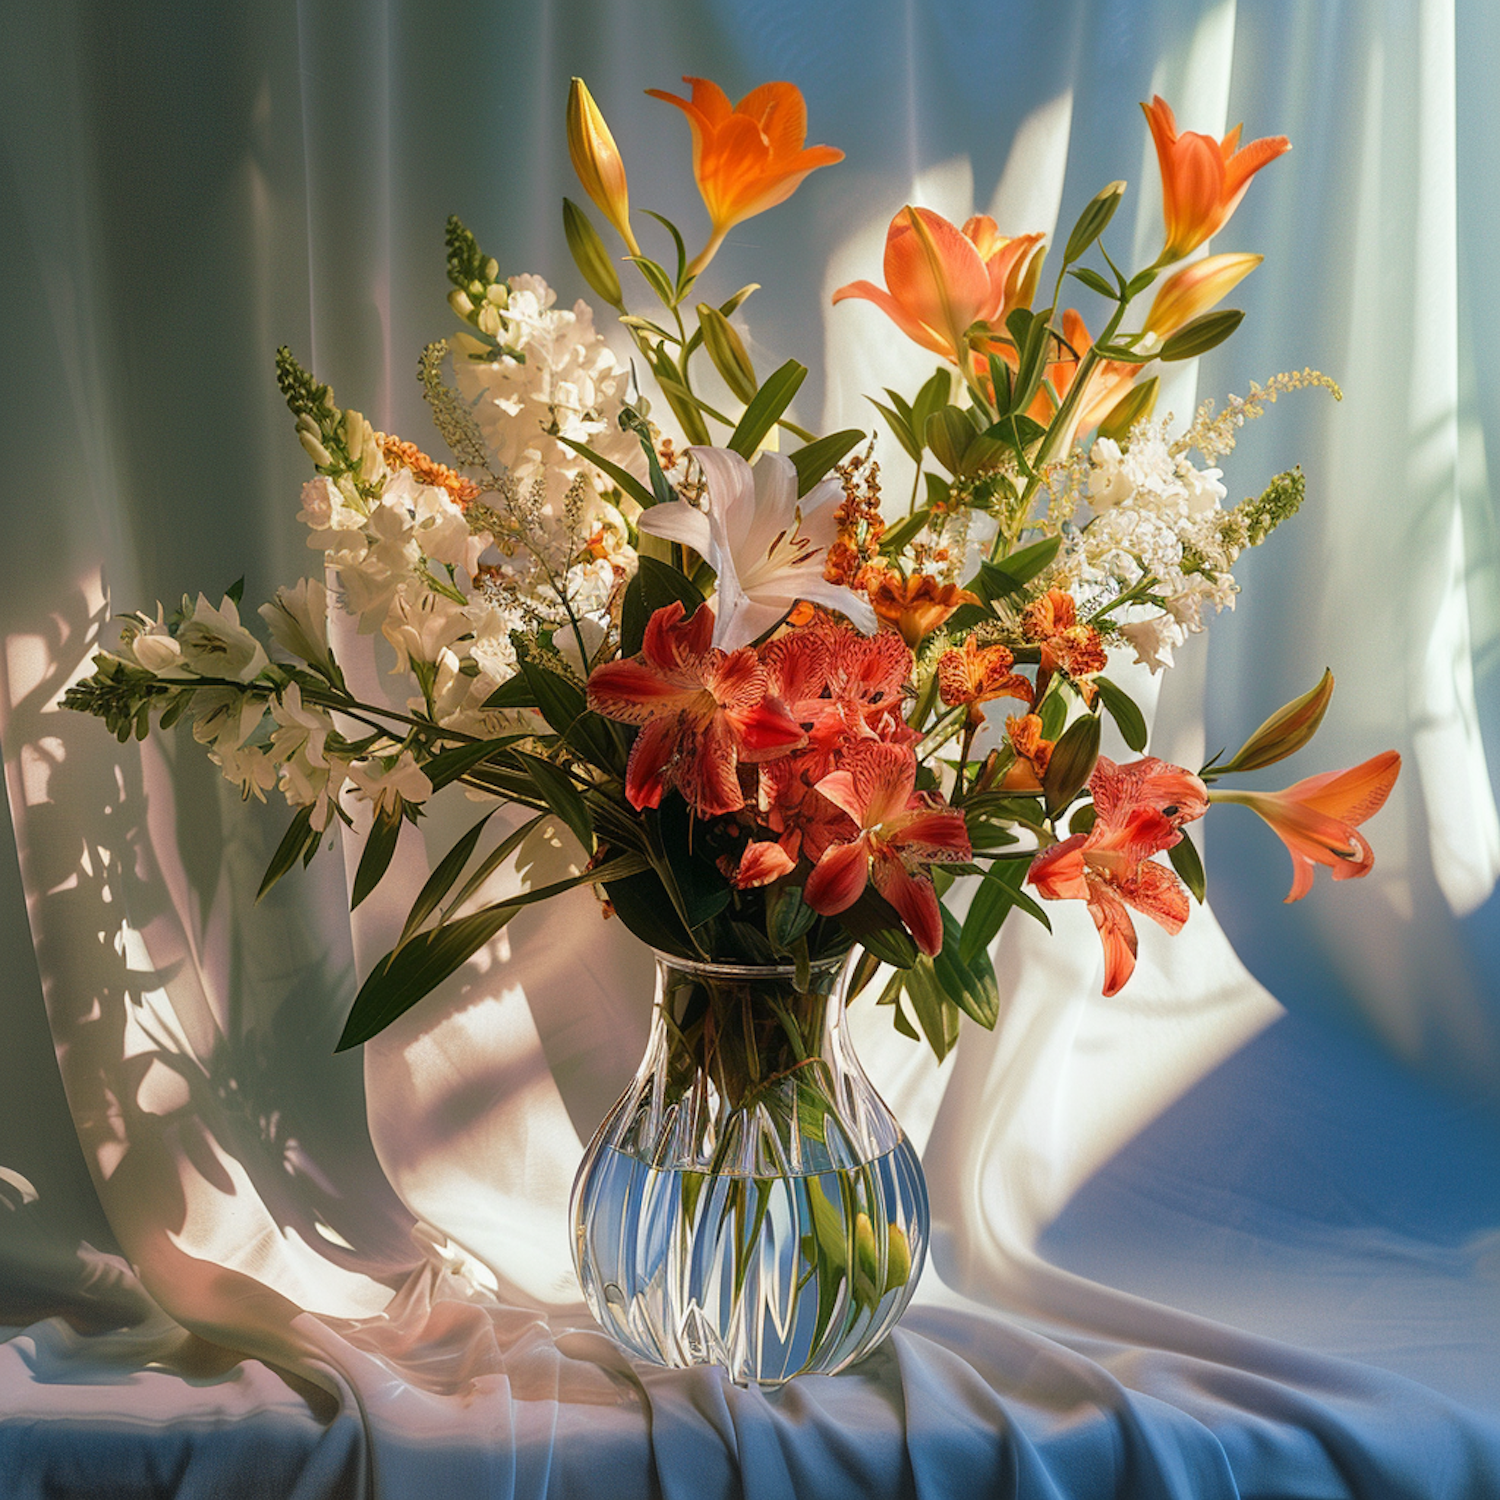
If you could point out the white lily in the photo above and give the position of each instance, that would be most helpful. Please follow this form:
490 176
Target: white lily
766 546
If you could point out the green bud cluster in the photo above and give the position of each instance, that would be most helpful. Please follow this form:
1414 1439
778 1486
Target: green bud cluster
339 442
478 296
1278 502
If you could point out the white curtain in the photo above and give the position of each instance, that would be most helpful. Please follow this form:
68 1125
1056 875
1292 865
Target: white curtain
1235 1231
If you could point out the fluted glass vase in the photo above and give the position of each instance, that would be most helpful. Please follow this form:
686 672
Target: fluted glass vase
750 1201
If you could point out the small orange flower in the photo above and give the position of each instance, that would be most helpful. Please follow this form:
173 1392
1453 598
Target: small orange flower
1032 753
747 157
1202 180
917 605
1108 382
400 454
1066 645
942 279
975 674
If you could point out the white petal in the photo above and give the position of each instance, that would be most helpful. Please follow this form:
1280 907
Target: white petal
678 522
775 508
854 607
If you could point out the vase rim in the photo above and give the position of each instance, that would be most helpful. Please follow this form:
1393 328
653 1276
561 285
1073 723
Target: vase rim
727 970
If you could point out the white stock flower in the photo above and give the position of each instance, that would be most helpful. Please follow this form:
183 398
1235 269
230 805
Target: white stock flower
766 546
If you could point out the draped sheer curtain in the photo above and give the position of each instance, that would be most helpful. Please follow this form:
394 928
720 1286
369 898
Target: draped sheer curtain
1164 1224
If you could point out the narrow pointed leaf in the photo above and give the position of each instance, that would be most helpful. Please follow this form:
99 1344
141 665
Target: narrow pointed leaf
293 845
771 400
380 845
449 868
559 793
1130 721
1189 864
813 461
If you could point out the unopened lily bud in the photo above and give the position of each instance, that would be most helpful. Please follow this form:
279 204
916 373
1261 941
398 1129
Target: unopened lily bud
866 1256
1285 732
315 450
728 353
1071 763
1190 292
596 160
458 300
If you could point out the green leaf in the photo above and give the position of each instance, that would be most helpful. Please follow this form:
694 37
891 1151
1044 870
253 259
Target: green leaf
996 896
291 848
563 705
1122 709
891 945
788 917
813 461
771 400
1186 861
727 351
902 429
655 585
932 397
1093 220
1053 711
1095 282
968 982
1014 572
589 254
236 590
632 421
681 249
948 433
656 278
514 692
403 977
936 1014
898 536
1138 283
1202 334
380 845
558 792
495 858
449 868
627 481
448 765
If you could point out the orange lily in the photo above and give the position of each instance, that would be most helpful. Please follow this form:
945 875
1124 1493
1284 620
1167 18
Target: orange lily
917 605
747 157
1052 623
1140 809
1202 179
1031 750
1316 819
943 280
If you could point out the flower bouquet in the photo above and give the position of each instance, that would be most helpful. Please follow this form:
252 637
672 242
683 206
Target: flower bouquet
787 723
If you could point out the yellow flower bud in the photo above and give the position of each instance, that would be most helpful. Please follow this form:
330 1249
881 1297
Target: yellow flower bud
315 450
897 1259
596 160
1286 731
1190 292
458 300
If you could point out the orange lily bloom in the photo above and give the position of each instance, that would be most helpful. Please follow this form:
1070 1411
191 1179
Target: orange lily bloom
1202 179
747 157
975 674
1140 809
1108 381
1052 623
942 280
1032 753
917 605
1316 819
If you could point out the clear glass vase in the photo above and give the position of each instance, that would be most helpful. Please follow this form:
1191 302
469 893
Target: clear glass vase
750 1201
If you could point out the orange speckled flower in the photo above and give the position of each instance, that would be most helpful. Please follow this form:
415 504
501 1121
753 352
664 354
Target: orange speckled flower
1066 645
917 605
747 157
400 454
975 674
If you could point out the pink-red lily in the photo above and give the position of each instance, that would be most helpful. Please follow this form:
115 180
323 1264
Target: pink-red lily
1202 180
1317 818
1139 811
701 712
901 831
940 280
749 156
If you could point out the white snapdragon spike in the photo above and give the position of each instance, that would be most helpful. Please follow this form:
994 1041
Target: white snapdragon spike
215 644
298 621
766 546
378 783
